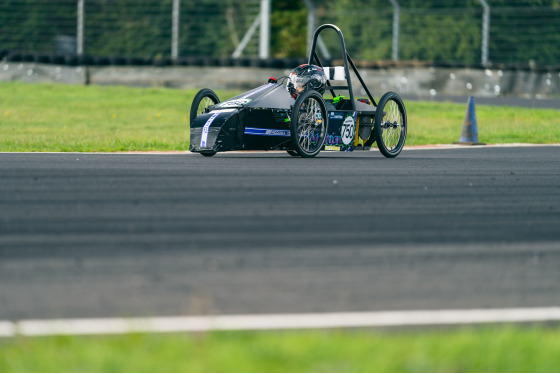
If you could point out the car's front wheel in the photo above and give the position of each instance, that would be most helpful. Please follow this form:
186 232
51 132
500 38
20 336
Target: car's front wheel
202 100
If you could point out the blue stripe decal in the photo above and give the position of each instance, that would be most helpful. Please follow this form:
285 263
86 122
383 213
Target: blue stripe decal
257 90
204 137
266 132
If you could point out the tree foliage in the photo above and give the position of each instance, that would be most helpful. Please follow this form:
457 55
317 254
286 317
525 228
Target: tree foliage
432 30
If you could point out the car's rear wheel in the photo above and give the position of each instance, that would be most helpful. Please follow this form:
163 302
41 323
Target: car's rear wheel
309 124
202 100
390 125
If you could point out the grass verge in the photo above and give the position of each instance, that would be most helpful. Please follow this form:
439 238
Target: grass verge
47 117
481 349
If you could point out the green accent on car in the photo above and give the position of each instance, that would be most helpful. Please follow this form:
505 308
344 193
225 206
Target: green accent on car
337 99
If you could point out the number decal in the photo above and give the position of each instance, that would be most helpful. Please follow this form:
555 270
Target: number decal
347 130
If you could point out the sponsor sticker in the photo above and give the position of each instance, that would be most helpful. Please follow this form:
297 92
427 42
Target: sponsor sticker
347 131
244 99
266 132
335 115
331 148
204 137
234 103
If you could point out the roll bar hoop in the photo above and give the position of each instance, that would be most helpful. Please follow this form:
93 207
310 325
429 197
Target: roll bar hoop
347 64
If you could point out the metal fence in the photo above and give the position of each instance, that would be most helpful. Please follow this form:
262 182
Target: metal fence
452 31
169 28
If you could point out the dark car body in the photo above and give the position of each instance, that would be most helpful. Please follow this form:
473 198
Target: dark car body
260 120
269 117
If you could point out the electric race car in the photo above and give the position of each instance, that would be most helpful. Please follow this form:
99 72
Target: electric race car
291 114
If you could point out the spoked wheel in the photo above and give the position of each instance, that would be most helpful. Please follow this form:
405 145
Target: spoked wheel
202 100
309 124
390 125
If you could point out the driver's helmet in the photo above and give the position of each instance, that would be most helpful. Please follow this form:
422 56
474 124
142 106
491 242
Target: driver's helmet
306 77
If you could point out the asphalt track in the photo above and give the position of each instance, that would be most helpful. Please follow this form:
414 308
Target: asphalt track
107 235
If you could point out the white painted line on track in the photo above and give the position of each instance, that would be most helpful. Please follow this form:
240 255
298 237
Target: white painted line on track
104 326
373 149
462 146
107 153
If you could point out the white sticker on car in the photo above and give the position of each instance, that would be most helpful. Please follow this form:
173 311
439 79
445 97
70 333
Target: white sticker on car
347 131
257 90
204 137
234 103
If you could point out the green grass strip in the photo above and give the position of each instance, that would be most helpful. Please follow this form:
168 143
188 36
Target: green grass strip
481 349
53 118
441 123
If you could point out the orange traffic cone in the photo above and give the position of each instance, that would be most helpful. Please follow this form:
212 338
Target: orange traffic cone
469 134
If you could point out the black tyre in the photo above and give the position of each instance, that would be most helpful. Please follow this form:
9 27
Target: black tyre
208 153
293 153
309 124
390 125
202 100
